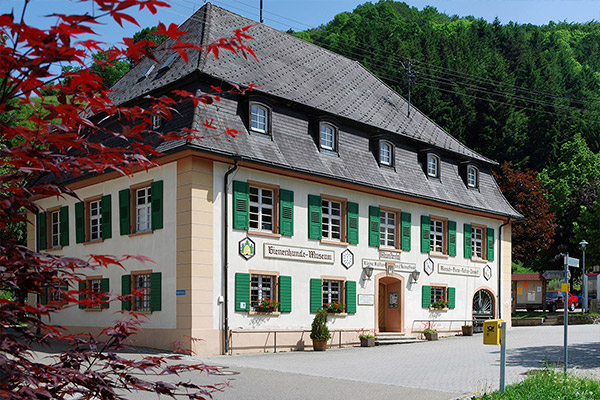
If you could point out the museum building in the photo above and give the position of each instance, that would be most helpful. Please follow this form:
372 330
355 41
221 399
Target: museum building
333 195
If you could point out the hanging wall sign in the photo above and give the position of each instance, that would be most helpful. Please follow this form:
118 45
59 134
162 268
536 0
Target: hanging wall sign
384 265
347 259
247 248
459 270
428 266
487 273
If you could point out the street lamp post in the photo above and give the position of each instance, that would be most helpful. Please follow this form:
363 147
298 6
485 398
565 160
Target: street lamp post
584 280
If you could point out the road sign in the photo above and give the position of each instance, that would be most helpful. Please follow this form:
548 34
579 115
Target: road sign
554 274
565 287
572 262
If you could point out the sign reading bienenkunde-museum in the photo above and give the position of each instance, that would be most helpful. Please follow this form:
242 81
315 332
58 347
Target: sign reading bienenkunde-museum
298 253
459 270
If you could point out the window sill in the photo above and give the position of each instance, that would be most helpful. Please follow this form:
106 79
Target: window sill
438 255
268 314
338 314
479 260
333 242
141 233
438 309
53 249
93 309
267 234
390 249
93 242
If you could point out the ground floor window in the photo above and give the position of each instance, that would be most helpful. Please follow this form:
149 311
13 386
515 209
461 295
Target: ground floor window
262 293
142 283
438 296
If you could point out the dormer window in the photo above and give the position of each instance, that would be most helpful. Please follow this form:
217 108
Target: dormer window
472 177
433 166
386 154
328 136
259 118
156 122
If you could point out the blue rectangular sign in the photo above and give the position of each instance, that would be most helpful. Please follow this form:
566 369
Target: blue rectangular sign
180 292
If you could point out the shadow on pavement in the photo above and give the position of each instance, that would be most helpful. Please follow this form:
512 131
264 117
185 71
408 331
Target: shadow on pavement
581 356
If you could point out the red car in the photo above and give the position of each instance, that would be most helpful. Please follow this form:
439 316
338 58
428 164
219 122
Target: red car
554 300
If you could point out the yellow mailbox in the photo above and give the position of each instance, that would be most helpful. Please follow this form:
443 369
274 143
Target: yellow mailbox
492 332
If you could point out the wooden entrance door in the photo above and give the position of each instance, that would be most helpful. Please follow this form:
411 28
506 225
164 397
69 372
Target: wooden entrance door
381 307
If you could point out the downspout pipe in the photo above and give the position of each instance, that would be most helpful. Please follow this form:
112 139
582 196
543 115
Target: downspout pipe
225 253
508 221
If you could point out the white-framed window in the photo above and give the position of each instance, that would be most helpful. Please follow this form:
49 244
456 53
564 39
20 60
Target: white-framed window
95 220
436 236
143 210
259 118
95 286
261 287
156 121
142 282
433 166
328 139
331 220
472 177
261 209
477 235
438 293
387 229
55 229
332 291
386 153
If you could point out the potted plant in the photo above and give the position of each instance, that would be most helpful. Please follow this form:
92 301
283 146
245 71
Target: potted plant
367 339
267 305
335 307
467 330
319 332
429 331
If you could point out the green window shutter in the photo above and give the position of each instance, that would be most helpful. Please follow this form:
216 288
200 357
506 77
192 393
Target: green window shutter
64 226
374 220
79 222
316 294
155 291
42 241
82 287
351 297
314 217
44 297
490 244
105 287
242 291
240 205
352 222
426 296
105 207
451 297
405 231
156 194
126 290
425 235
286 212
452 238
124 213
468 239
285 294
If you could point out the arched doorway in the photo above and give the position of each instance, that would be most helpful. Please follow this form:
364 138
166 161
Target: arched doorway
390 304
483 308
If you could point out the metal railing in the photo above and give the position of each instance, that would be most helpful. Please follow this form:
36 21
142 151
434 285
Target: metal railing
439 324
274 334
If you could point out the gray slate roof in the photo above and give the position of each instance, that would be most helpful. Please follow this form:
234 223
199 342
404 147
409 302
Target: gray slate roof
302 73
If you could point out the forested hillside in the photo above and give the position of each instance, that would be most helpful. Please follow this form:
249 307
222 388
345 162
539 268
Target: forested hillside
512 92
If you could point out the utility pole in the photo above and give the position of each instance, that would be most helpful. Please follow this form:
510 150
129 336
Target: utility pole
261 7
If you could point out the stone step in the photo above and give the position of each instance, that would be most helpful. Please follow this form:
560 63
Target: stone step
385 334
385 338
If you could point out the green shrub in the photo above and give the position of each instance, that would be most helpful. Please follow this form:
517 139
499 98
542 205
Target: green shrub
549 384
319 326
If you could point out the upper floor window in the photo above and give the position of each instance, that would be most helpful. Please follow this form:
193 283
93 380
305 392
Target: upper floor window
328 139
156 121
331 220
472 177
385 153
143 209
55 229
387 229
95 210
261 215
433 166
477 241
259 118
436 236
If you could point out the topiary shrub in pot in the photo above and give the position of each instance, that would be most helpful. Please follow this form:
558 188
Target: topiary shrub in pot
319 332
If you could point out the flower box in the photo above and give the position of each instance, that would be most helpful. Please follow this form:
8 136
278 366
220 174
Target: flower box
367 341
431 335
467 330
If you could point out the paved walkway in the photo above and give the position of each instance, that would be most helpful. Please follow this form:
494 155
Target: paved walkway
449 368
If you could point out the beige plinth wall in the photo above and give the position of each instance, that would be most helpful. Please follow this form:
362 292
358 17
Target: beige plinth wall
195 254
506 264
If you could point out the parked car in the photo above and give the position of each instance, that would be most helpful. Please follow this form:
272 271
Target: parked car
554 300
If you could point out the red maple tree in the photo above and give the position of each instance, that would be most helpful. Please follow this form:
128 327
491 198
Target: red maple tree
65 138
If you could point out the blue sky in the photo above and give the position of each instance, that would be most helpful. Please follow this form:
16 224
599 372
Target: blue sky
303 14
